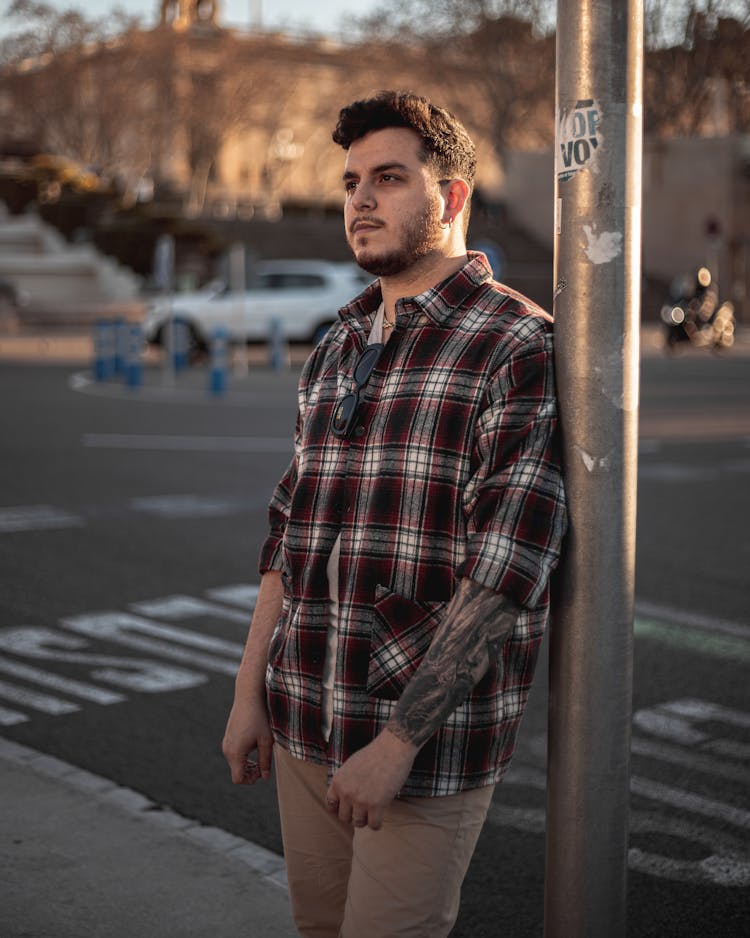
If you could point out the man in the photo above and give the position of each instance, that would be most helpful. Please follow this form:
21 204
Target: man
404 587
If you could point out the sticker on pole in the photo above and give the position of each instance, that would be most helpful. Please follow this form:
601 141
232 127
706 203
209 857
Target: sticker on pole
578 139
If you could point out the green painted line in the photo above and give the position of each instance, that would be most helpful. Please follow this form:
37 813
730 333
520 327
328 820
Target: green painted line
682 636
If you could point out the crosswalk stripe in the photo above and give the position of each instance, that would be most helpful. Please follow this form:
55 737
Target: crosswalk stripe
30 698
10 717
57 682
36 518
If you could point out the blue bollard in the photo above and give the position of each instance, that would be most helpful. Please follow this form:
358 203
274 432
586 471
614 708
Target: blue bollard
122 340
104 349
181 344
133 359
219 362
277 347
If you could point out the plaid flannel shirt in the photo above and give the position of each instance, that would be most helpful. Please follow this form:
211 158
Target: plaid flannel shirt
452 471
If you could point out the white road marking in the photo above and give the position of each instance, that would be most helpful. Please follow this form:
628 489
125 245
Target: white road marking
116 627
31 698
48 517
193 444
11 717
243 595
729 747
656 721
36 518
68 686
188 506
697 641
692 759
686 728
725 865
185 607
138 674
112 625
687 801
676 720
696 620
78 381
702 710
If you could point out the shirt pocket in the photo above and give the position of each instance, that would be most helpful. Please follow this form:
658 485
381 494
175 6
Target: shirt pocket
402 630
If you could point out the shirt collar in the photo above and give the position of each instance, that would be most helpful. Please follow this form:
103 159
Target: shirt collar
439 302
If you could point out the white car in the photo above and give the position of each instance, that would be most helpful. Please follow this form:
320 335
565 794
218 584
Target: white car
298 297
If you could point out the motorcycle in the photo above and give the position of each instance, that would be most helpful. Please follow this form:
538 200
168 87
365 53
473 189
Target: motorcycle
694 315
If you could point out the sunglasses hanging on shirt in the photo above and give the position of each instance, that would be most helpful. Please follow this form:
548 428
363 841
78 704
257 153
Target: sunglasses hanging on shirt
345 413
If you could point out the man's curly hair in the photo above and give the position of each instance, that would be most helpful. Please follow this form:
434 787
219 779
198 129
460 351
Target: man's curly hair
446 145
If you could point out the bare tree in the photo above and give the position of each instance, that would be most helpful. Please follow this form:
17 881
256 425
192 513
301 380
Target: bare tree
225 88
670 23
44 30
697 76
493 61
131 102
68 86
165 103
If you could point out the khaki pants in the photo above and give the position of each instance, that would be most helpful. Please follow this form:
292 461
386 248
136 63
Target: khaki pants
403 880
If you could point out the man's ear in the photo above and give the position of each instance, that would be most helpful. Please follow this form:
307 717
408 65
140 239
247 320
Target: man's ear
456 195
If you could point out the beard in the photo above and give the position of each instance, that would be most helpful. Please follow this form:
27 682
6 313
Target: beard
419 237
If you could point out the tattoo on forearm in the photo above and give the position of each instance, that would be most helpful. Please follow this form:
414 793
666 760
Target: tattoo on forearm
477 622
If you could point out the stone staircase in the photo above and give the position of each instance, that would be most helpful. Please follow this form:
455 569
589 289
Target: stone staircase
56 282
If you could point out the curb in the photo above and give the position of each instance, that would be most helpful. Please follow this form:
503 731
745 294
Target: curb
76 348
269 866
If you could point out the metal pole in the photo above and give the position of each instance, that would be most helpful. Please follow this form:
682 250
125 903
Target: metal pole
164 278
597 294
238 286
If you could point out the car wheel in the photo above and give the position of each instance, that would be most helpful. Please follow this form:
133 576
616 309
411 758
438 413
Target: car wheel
8 315
195 345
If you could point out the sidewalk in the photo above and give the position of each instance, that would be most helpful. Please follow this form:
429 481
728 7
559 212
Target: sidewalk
74 347
81 856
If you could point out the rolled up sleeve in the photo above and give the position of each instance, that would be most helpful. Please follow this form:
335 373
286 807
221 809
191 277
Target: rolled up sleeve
271 554
279 507
515 501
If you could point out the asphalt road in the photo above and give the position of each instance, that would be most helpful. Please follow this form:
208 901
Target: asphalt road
129 526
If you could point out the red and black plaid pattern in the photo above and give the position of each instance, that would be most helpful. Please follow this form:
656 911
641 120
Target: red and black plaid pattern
452 471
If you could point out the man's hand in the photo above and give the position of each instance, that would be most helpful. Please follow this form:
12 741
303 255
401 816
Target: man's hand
248 727
369 780
476 624
247 730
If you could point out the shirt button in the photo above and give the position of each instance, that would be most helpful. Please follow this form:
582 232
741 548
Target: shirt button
359 430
